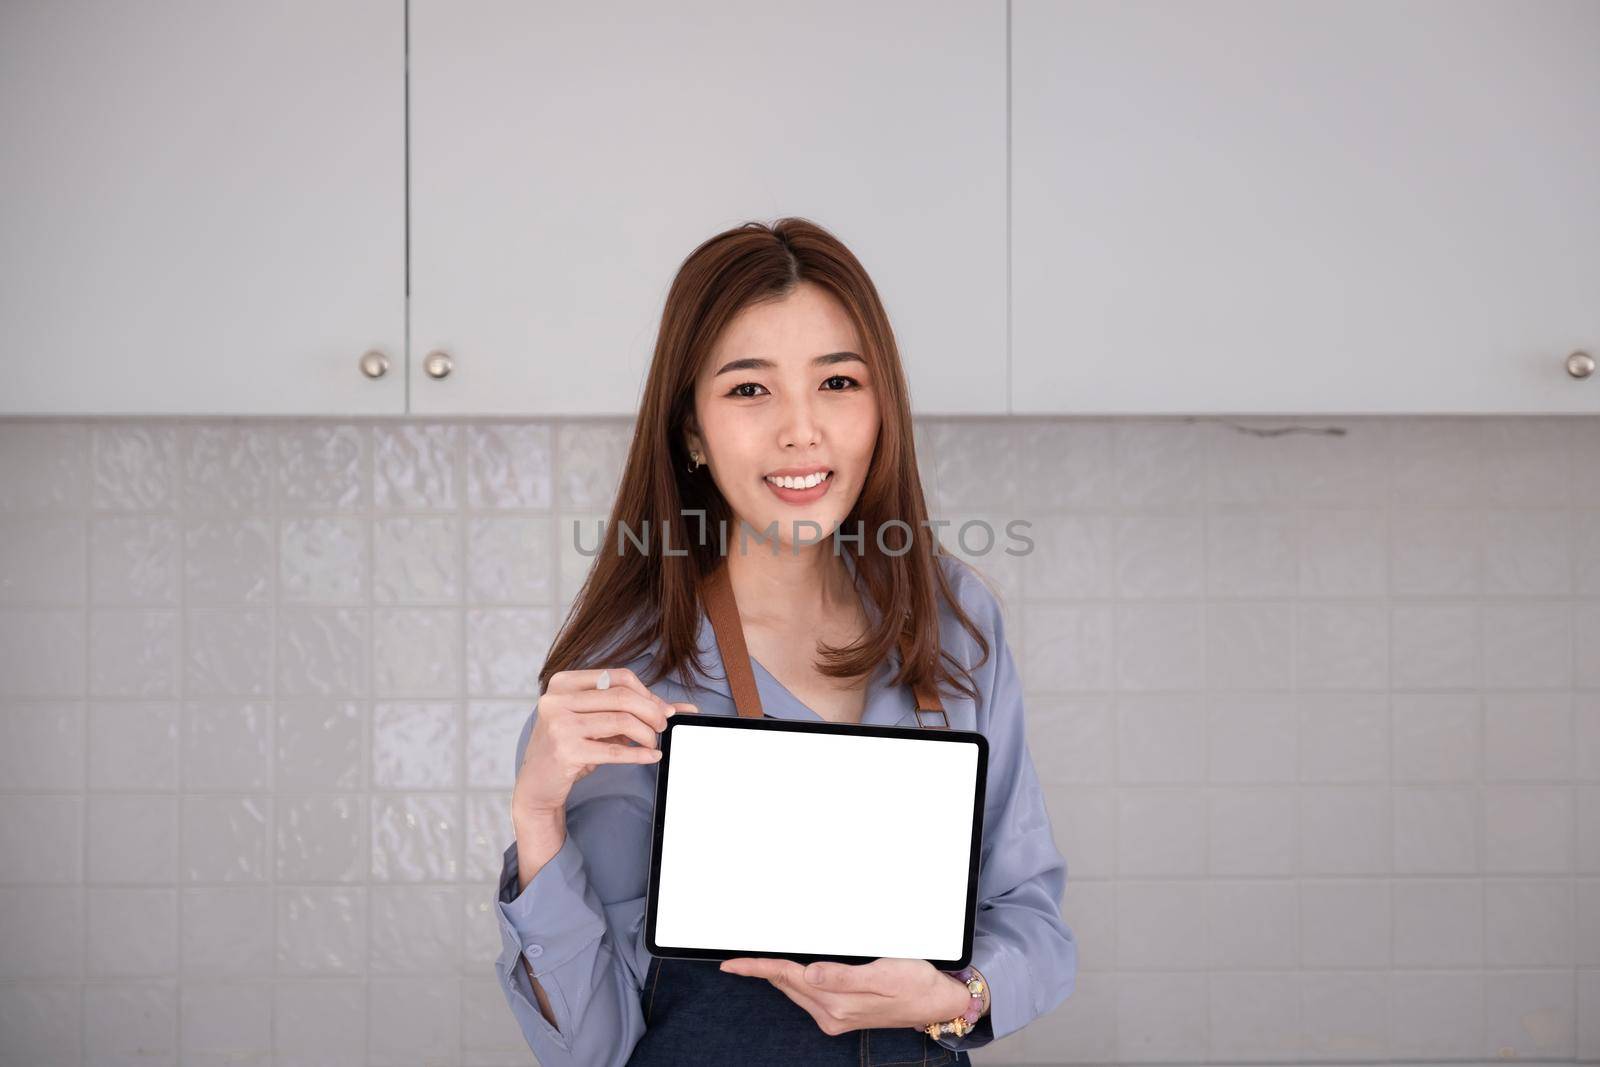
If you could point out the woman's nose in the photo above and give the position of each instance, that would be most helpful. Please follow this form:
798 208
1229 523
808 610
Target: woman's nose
799 422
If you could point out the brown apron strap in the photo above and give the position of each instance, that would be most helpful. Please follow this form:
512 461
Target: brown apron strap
724 614
730 642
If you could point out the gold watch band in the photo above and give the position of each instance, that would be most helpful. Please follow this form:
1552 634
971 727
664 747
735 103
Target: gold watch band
976 986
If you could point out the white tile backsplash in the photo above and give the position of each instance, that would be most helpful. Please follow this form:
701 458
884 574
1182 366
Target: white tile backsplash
1315 705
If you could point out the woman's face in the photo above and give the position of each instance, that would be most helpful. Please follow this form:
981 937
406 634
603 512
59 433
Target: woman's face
787 392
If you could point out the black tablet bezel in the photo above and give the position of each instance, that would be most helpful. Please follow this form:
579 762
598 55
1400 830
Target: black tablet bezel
737 722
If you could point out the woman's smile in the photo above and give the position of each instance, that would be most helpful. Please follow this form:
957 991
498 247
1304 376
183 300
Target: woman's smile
799 488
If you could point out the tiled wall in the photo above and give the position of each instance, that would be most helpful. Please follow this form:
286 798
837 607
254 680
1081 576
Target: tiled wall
1316 703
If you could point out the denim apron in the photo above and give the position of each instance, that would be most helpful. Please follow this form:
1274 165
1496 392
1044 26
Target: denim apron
696 1014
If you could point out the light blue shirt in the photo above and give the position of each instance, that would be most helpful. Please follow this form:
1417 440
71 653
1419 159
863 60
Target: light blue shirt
580 921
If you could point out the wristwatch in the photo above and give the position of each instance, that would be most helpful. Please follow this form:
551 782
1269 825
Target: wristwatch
962 1024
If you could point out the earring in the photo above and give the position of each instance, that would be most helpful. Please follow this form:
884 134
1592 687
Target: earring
694 466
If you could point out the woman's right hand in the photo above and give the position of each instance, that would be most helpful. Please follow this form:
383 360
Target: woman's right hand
578 728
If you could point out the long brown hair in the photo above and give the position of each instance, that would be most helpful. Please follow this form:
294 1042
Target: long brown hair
658 592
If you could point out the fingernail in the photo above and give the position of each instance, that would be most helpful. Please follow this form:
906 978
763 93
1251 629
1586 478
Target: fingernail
671 711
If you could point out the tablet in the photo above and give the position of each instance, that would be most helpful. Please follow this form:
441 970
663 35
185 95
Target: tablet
815 840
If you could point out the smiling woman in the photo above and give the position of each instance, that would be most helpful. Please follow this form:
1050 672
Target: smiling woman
775 405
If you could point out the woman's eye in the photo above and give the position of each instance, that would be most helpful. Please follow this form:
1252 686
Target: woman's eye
851 383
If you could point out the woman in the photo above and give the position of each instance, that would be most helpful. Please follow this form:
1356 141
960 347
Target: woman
776 404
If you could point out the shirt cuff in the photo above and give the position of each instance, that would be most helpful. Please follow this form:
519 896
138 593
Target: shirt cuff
551 920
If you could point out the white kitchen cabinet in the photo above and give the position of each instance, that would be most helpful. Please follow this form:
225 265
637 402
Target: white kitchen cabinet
566 158
1220 206
203 206
1319 206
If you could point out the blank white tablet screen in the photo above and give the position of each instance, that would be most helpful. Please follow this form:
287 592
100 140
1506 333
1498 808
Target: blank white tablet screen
780 841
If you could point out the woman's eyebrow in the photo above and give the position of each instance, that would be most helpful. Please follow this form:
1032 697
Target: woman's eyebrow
759 363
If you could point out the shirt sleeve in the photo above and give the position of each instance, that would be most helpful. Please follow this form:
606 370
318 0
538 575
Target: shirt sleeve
580 922
1020 943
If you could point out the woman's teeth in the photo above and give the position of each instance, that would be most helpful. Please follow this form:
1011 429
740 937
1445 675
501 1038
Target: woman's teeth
807 482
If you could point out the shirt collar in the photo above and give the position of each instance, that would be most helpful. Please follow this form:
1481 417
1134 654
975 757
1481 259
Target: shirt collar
886 705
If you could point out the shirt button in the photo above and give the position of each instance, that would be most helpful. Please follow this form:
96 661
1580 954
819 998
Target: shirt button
533 950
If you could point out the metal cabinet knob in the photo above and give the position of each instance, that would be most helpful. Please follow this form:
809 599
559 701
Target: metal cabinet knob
1580 365
437 364
374 364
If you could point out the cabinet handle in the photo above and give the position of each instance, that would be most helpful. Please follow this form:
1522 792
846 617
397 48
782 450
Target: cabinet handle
1580 365
374 364
437 364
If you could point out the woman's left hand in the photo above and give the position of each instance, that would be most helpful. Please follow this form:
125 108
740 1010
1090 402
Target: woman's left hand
842 997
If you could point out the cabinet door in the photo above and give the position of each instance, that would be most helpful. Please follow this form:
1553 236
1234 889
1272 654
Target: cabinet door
566 158
1319 206
203 206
